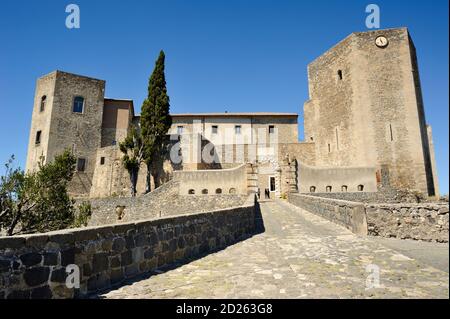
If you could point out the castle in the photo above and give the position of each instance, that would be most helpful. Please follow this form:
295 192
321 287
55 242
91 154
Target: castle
364 126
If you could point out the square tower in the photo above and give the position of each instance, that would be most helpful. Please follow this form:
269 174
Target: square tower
366 109
67 114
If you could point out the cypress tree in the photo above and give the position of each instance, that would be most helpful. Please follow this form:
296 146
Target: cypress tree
155 118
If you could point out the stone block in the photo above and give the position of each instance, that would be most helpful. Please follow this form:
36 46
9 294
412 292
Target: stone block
36 276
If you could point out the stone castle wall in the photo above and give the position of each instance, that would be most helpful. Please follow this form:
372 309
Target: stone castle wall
162 202
34 266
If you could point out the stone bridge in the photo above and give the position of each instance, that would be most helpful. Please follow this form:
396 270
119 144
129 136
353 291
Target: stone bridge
301 255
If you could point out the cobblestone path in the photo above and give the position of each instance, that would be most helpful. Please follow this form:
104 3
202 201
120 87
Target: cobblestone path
299 255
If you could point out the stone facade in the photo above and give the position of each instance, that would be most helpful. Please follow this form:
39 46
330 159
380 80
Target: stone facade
366 109
34 266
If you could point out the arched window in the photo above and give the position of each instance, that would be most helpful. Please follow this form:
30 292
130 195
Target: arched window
204 191
344 188
191 192
42 106
232 191
78 104
312 189
329 188
340 76
360 188
219 191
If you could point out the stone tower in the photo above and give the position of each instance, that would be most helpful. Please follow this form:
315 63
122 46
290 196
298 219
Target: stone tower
366 109
67 114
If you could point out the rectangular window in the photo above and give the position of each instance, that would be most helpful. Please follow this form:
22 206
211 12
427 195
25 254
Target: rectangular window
38 137
271 129
215 129
78 104
272 184
81 164
179 130
237 129
102 161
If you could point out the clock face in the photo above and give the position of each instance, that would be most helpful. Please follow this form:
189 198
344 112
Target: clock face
381 42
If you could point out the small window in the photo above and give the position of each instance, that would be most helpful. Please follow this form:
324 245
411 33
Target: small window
43 101
344 188
38 137
328 189
204 191
312 189
340 74
329 148
219 191
237 129
180 130
215 129
232 191
311 138
78 104
360 188
81 164
272 184
271 129
191 192
102 160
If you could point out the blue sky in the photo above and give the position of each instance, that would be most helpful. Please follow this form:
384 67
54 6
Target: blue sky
247 55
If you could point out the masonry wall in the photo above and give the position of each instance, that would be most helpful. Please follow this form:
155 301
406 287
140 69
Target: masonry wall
321 178
428 222
228 181
34 266
351 215
162 202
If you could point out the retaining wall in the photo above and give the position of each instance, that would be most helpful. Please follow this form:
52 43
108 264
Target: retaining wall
34 266
348 214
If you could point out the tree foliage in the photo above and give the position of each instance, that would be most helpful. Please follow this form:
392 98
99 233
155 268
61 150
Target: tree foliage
37 201
155 117
133 149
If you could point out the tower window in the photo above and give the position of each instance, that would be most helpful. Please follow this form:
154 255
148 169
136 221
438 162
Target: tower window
344 188
81 164
271 129
102 160
328 189
329 148
340 74
312 189
237 129
78 104
360 188
38 137
215 129
391 132
180 130
42 106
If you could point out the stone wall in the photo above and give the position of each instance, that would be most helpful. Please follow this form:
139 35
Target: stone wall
223 181
351 215
164 201
427 222
34 266
319 178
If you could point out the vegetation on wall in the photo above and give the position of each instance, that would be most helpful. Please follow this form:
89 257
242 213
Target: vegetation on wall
38 201
155 120
132 148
